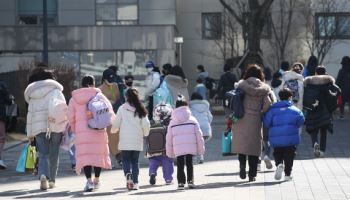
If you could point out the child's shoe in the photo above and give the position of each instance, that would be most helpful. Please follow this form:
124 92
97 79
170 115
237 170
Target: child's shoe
191 185
51 184
152 179
135 187
321 154
89 187
181 186
267 161
279 171
129 182
317 150
97 185
43 182
168 182
288 178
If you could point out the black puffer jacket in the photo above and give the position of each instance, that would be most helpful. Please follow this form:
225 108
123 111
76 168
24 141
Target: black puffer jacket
226 83
343 81
321 116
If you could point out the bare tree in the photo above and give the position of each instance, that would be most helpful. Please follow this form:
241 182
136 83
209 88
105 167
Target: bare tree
281 24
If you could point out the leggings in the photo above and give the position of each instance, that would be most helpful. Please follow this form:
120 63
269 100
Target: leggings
88 171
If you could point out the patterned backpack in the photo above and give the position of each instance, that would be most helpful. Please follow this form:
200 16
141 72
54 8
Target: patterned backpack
101 116
293 86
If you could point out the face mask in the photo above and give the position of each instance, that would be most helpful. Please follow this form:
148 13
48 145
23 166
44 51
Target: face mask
150 69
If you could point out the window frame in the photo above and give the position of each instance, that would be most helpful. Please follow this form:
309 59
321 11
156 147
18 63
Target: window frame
336 15
116 21
39 17
203 19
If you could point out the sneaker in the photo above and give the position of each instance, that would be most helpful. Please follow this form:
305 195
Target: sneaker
252 179
97 185
258 168
135 187
201 161
51 184
267 161
191 185
129 182
181 186
89 187
152 179
73 167
279 171
2 165
288 178
321 154
242 174
168 182
43 182
317 150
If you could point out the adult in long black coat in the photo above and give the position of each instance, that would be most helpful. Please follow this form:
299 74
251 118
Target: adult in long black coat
343 81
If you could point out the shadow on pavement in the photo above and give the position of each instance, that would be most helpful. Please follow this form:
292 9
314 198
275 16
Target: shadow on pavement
223 174
157 192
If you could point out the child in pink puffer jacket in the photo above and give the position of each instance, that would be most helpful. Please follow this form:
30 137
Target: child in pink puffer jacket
184 140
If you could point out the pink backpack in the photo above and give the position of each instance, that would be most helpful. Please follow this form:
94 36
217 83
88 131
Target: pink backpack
101 115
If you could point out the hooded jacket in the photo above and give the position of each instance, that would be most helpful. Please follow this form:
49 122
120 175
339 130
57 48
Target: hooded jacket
184 135
91 145
291 75
38 95
152 83
283 120
321 117
247 132
131 128
200 111
176 86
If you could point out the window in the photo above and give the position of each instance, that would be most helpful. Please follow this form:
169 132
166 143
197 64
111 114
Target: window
211 26
333 25
31 12
116 12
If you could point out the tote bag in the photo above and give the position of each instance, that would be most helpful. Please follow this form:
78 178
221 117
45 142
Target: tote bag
21 164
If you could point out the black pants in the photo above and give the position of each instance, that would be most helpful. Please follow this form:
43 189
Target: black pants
252 162
285 155
181 161
342 106
150 107
88 171
323 137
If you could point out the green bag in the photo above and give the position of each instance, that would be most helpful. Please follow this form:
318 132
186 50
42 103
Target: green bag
31 157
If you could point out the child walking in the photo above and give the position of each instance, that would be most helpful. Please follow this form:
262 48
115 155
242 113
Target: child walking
156 145
283 120
92 152
183 140
132 124
200 110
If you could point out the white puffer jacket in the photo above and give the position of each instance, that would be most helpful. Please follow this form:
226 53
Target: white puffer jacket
200 110
39 95
291 75
152 83
131 128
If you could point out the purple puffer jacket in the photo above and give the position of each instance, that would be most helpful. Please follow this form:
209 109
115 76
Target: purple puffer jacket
184 135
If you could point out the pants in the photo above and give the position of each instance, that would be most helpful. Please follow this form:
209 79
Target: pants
285 155
266 144
252 162
323 137
342 107
72 155
48 154
167 164
131 161
181 161
150 107
88 171
2 136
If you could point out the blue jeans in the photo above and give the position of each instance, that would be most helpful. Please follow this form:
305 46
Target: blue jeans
131 158
48 154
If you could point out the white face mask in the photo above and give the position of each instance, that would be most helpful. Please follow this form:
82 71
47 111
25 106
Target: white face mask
149 70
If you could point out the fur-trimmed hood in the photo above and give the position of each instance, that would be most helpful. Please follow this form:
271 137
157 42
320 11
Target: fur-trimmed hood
176 81
254 87
291 75
319 80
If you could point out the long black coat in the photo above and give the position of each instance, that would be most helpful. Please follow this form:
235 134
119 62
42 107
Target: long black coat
343 81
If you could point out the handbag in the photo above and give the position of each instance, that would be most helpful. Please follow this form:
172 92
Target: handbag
31 157
21 163
226 141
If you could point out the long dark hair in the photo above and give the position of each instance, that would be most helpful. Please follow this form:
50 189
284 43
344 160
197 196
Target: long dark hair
254 71
133 99
312 63
177 71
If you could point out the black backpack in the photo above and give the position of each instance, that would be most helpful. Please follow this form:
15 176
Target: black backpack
209 83
156 140
331 98
234 102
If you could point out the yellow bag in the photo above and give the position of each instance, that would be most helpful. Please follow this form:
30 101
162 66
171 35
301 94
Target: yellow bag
31 157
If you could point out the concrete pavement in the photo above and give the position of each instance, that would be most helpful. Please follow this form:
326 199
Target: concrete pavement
320 179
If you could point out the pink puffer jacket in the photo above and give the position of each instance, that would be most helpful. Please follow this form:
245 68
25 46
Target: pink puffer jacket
184 135
91 145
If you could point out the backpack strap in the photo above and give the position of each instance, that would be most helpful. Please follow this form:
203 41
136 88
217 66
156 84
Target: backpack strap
183 124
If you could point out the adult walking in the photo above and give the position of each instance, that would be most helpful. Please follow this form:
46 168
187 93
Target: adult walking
202 74
152 83
343 81
319 119
247 132
310 68
226 83
294 81
4 101
46 120
110 89
177 83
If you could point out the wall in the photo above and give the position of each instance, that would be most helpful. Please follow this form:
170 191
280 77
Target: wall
7 12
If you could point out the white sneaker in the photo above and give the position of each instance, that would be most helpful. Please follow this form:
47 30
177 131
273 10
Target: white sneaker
267 161
279 171
97 185
51 184
135 187
129 182
43 182
2 165
317 150
288 178
89 187
321 154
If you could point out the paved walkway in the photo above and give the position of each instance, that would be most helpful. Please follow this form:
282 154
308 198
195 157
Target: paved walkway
319 179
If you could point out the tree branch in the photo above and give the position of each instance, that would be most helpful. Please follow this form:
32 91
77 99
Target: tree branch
232 12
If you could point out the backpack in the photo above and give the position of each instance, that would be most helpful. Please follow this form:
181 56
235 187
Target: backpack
156 140
331 98
293 86
234 102
311 99
57 113
101 115
162 95
209 83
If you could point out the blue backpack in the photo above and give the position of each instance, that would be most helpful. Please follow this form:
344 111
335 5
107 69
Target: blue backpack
234 102
162 95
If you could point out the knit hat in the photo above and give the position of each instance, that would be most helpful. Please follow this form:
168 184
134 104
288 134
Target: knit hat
108 75
150 64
